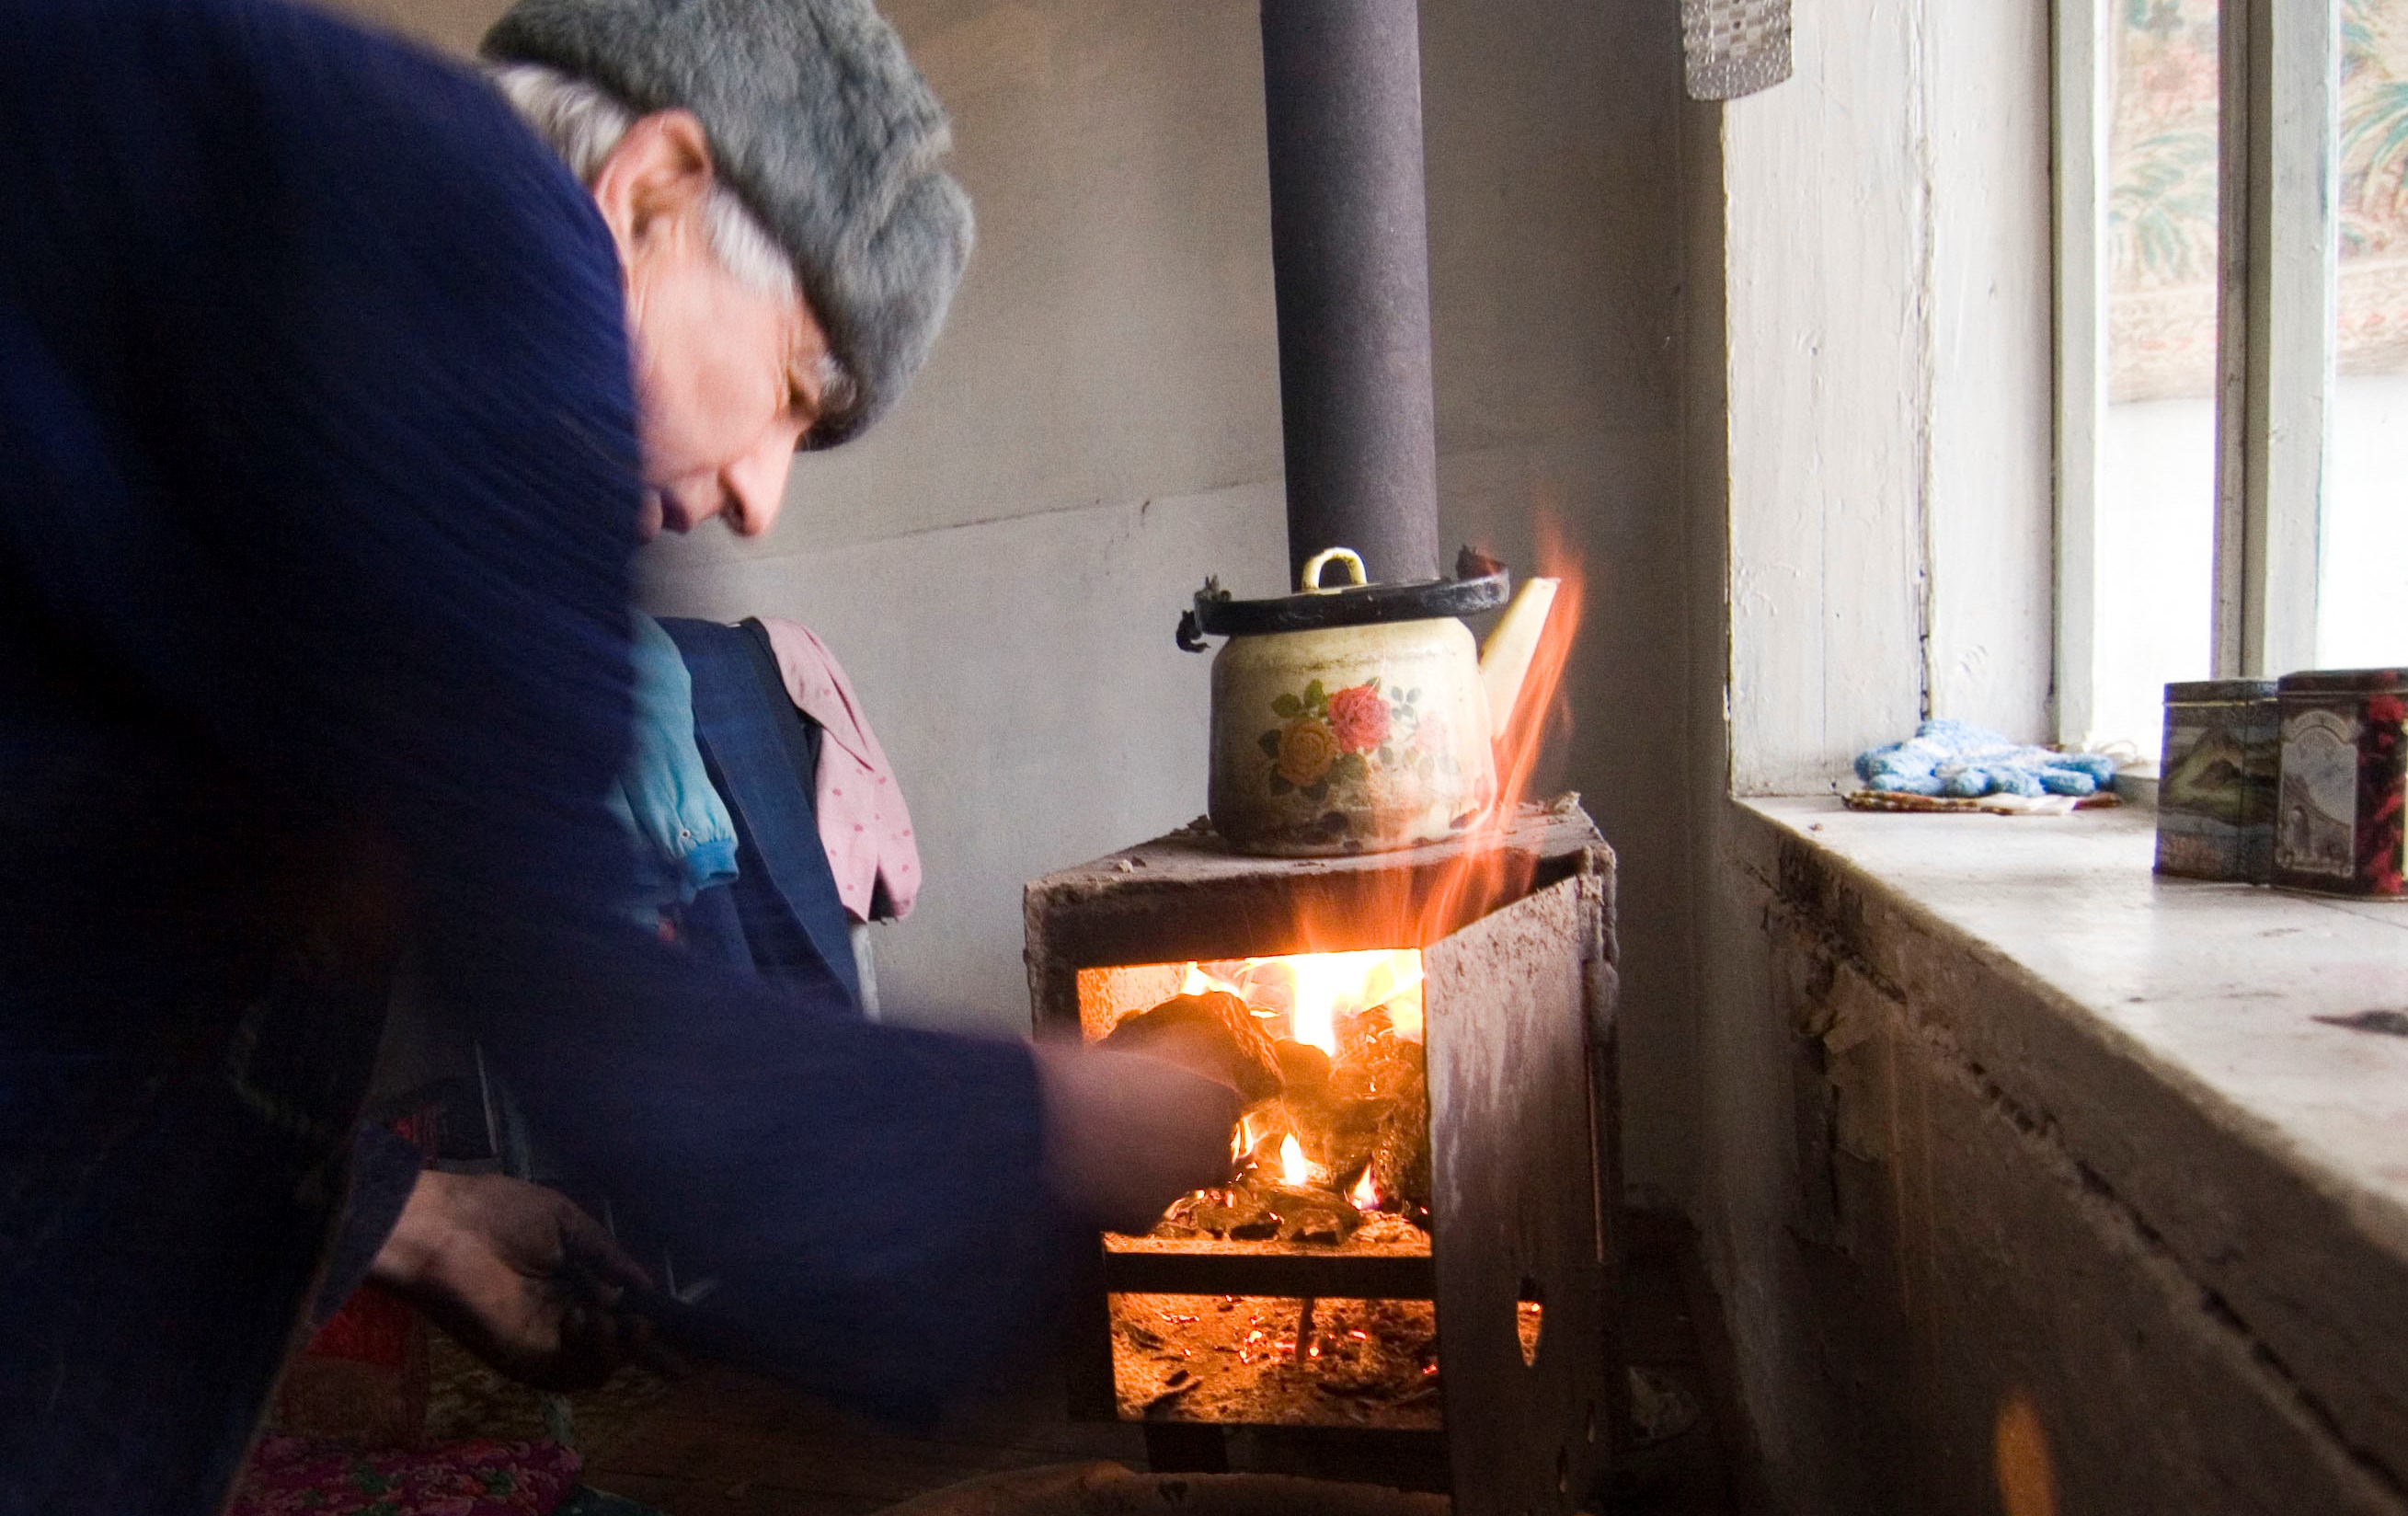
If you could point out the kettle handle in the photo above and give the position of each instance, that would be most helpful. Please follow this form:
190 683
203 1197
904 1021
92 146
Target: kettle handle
1308 579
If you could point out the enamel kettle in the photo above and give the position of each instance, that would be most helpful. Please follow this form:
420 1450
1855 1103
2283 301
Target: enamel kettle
1359 718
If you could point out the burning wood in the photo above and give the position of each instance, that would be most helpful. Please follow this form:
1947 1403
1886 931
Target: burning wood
1259 1208
1215 1013
1345 1129
1333 1155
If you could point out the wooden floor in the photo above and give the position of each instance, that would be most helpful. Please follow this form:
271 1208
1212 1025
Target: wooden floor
720 1443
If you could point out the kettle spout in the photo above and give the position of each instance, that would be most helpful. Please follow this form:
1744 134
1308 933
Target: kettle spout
1505 657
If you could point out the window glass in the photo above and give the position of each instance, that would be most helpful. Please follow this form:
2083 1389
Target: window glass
2362 599
2157 484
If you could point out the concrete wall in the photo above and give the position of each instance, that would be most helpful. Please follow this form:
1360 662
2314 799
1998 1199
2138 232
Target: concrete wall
1000 564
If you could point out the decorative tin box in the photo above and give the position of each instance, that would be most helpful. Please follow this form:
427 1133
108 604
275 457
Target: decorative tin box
2215 781
2338 812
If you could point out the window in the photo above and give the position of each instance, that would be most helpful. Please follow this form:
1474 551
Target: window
2364 574
2232 323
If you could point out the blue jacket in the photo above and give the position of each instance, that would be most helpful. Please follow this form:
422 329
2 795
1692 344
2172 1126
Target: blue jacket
780 914
318 490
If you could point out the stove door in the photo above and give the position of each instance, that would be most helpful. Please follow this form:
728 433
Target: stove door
1524 1339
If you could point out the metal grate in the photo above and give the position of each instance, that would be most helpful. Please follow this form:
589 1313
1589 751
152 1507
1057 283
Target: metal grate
1734 46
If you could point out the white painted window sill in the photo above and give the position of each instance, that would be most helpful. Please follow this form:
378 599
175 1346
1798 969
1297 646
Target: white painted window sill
2189 1045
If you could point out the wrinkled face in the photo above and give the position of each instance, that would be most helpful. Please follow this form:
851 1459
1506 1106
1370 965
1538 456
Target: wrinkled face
726 374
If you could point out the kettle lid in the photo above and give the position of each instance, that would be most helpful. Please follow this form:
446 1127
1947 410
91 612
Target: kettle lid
1480 583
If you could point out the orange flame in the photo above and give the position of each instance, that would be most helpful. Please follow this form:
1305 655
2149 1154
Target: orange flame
1536 712
1421 905
1487 873
1330 984
1292 1164
1405 1007
1315 992
1364 1195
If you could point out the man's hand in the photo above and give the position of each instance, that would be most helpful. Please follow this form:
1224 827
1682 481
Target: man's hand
1149 1114
1127 1134
520 1276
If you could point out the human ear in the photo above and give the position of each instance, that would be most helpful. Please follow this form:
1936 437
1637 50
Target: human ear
658 176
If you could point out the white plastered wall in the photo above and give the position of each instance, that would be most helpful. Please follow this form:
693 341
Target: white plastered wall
1888 370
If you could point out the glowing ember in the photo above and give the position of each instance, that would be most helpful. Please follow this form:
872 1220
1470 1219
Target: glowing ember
1364 1195
1293 1166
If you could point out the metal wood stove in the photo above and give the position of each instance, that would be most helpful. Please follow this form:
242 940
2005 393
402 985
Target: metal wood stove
1483 1324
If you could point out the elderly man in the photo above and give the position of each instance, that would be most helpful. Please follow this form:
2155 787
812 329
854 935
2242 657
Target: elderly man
325 471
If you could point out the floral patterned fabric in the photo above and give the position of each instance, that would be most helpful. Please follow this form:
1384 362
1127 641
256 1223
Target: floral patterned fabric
287 1476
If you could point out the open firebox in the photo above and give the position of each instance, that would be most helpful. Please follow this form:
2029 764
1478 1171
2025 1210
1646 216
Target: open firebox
1415 1244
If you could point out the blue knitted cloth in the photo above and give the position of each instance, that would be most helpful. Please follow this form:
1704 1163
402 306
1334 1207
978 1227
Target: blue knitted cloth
1961 760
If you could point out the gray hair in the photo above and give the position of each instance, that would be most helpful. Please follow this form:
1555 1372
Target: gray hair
584 123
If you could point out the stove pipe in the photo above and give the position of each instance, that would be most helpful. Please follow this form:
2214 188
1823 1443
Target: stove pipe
1350 255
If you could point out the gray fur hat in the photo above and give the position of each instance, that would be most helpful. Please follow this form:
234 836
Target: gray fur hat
821 124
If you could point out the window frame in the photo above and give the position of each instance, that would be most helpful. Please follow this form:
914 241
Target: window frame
2081 81
2279 177
2277 282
